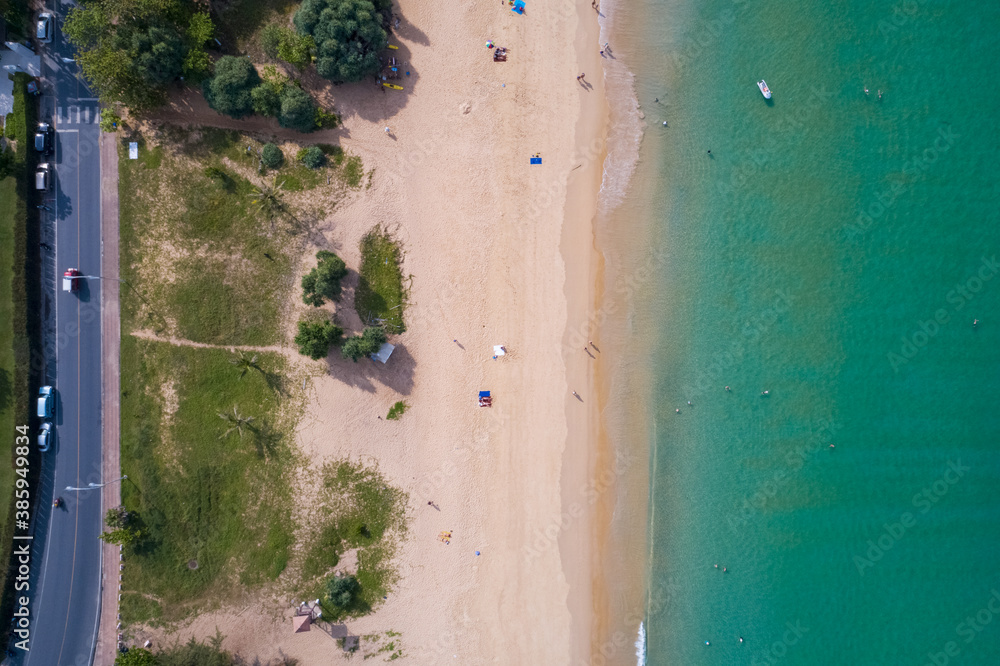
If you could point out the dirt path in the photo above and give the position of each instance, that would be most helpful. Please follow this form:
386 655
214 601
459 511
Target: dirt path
149 335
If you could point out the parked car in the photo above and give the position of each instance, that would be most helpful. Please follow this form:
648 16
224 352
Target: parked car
43 176
43 29
46 399
44 436
43 138
71 279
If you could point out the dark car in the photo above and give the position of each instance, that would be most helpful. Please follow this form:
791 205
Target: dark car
43 138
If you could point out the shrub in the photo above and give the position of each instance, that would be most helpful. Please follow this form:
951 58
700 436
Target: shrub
229 89
221 178
298 111
349 34
365 344
110 121
341 591
271 156
315 338
396 411
323 281
326 119
313 157
136 656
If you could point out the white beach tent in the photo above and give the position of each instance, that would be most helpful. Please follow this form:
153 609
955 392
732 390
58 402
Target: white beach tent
383 353
498 350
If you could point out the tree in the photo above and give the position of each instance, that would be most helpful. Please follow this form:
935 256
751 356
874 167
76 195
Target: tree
271 156
245 363
269 199
315 338
366 344
159 55
127 528
136 657
237 422
197 64
323 281
313 157
296 49
270 39
118 517
349 34
265 100
228 90
298 111
131 50
341 591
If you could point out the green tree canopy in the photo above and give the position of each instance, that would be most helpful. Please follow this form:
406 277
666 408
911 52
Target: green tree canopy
298 110
365 344
229 89
323 281
349 34
131 50
315 338
265 101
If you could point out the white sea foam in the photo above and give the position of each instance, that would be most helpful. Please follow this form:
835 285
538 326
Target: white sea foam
640 646
625 125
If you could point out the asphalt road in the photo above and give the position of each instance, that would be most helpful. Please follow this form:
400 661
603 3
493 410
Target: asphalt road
66 592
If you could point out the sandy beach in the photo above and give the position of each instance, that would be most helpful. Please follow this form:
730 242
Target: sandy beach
499 252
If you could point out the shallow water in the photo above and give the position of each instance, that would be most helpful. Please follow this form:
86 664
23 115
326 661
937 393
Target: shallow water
833 251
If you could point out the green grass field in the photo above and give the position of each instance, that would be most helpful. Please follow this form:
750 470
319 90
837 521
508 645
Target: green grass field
380 295
358 510
226 275
222 502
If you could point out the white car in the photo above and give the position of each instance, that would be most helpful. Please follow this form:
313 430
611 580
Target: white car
43 29
44 437
46 396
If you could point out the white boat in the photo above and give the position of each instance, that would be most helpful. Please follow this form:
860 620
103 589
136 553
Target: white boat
764 90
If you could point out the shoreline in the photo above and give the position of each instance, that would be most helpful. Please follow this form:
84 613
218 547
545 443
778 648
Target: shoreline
579 548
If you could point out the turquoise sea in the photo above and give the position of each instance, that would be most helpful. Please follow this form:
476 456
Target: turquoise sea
834 251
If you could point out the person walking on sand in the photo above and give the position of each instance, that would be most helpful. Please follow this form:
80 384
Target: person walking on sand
387 130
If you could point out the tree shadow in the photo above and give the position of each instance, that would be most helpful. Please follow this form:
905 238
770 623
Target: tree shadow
6 390
396 374
266 440
406 30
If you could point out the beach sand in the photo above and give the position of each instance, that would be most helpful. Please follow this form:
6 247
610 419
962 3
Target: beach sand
500 252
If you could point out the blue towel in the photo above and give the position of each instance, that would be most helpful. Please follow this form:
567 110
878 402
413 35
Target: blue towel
536 160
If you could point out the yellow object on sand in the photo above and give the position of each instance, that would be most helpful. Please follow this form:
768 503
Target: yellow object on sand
393 47
393 86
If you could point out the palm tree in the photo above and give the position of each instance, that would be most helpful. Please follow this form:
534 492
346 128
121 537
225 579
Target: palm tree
270 199
236 421
245 363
